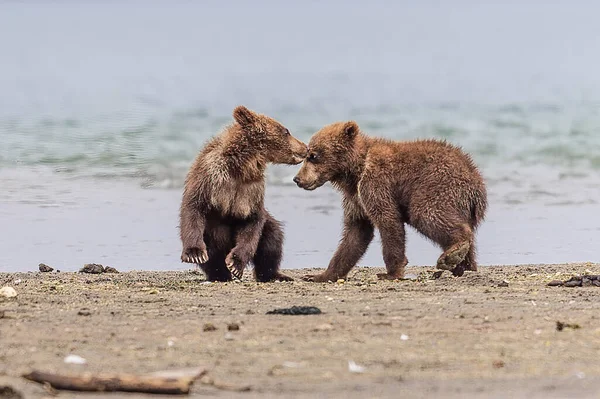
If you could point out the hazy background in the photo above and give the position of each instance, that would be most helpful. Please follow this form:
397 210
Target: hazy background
103 105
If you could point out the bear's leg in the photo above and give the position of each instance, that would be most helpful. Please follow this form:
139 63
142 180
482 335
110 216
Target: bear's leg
470 263
457 245
382 210
358 234
247 236
269 253
215 268
393 244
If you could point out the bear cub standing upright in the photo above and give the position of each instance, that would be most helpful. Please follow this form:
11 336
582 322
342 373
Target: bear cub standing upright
223 221
428 184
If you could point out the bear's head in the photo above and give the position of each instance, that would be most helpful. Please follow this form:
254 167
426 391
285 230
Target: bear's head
330 155
269 137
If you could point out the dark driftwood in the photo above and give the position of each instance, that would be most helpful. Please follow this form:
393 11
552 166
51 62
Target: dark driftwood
117 382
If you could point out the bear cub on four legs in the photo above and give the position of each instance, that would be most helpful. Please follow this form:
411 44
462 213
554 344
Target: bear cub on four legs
223 221
428 184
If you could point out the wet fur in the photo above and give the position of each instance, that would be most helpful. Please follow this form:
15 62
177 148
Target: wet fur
428 184
222 216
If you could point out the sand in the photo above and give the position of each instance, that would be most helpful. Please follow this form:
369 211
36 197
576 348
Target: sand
487 334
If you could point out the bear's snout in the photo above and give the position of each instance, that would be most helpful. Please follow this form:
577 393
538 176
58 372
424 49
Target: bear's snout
297 181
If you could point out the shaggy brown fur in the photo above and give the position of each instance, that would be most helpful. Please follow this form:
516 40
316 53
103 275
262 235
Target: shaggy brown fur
428 184
223 222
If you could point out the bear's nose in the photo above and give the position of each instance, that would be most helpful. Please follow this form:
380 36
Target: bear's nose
296 180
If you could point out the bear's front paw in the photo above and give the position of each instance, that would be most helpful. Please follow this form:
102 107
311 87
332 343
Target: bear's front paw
195 254
318 278
236 262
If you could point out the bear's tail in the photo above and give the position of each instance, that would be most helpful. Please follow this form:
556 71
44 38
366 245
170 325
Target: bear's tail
478 206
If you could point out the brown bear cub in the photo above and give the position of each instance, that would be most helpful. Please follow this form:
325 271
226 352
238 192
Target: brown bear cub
428 184
223 221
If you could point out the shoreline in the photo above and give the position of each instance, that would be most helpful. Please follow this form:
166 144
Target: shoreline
481 335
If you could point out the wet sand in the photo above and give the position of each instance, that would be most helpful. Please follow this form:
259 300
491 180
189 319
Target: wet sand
487 334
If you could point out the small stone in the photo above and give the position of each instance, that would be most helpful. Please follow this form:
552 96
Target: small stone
503 283
92 268
355 368
45 268
498 364
109 269
250 311
404 337
555 283
323 327
74 359
437 274
84 312
341 281
209 327
228 337
8 292
573 283
233 327
586 282
561 326
596 283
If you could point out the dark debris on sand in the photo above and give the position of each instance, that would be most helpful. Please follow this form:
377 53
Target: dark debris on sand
296 311
45 268
585 280
95 268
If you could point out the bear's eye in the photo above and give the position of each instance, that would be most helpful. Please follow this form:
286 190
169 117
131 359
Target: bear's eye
312 157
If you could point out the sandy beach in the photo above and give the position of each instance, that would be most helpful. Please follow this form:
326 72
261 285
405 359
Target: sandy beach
488 334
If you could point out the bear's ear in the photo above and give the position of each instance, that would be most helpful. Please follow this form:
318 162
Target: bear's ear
244 116
350 129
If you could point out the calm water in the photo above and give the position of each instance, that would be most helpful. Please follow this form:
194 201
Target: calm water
103 107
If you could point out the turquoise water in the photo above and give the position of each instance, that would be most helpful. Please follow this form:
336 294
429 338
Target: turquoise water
122 96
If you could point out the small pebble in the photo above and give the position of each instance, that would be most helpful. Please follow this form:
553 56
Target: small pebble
45 268
555 283
437 274
84 312
573 283
341 281
8 292
503 283
209 327
233 327
228 337
74 359
355 368
109 269
561 326
498 364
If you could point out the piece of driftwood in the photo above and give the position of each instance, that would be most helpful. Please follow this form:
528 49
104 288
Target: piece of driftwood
172 384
